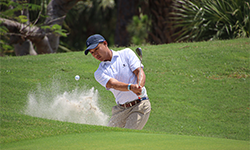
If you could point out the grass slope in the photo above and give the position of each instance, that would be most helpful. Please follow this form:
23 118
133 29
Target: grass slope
128 140
199 89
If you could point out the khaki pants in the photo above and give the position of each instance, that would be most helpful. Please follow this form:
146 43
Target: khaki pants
134 117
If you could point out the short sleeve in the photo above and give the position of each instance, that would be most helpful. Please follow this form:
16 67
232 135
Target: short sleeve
101 77
133 60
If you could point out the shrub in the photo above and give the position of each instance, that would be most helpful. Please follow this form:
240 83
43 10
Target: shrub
138 29
212 19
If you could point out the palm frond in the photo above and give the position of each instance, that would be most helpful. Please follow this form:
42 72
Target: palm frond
212 19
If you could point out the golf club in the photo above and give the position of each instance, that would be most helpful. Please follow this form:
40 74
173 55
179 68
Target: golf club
139 52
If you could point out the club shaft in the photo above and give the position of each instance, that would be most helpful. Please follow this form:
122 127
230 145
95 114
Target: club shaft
139 52
140 74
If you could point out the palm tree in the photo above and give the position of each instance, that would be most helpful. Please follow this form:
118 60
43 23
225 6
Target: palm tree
126 9
162 27
212 19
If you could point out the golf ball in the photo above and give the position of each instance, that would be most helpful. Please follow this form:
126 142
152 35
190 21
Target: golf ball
77 77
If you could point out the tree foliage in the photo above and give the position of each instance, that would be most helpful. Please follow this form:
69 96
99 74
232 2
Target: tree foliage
41 23
139 29
86 18
73 26
23 33
14 10
212 19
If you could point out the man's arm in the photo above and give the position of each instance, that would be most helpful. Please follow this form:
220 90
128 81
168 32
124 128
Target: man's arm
115 84
142 78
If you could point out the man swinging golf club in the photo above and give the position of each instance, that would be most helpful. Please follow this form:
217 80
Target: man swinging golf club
120 72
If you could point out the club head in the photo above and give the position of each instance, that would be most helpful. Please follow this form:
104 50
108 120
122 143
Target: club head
139 51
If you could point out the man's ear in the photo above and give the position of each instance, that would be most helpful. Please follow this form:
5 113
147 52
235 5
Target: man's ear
105 43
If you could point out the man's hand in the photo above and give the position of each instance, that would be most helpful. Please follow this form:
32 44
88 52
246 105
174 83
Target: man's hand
136 89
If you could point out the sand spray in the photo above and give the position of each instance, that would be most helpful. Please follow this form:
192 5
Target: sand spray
78 106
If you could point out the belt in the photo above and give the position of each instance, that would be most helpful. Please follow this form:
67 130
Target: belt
132 103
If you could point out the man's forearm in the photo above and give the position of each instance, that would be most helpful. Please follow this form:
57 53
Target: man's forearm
115 84
140 78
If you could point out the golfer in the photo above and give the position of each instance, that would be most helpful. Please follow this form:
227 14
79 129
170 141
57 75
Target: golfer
119 73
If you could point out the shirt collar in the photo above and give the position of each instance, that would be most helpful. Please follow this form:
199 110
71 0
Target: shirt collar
114 55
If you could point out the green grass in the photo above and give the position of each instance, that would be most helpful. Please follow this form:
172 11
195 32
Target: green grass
196 89
128 140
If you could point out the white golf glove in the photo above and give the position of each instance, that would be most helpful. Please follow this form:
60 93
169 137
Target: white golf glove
143 91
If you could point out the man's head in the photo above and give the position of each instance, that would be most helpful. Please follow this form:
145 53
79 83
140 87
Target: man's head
98 47
93 41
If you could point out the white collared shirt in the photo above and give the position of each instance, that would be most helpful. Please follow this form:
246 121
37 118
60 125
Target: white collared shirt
121 67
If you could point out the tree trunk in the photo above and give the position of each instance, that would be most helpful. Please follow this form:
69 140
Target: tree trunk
25 48
126 9
57 10
21 33
162 28
45 41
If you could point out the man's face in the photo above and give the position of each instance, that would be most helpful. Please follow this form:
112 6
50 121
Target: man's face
101 52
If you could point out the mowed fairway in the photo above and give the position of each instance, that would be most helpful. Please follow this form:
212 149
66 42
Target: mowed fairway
128 140
199 94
